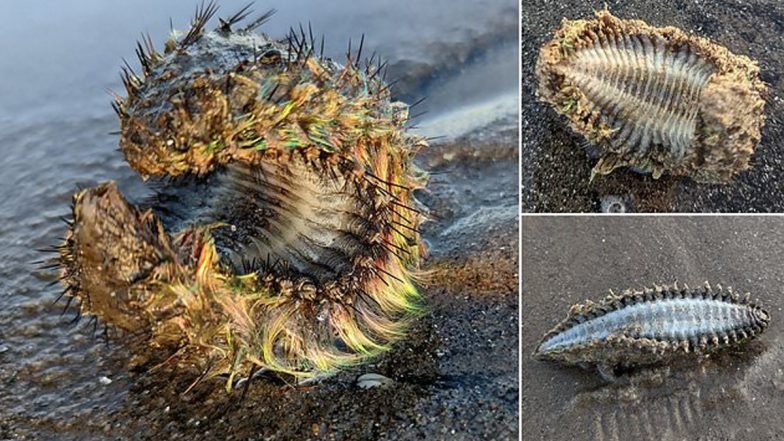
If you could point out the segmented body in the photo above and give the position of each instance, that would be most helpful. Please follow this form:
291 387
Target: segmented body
646 92
289 239
645 327
656 99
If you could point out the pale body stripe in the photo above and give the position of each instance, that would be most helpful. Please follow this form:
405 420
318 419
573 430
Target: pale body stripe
666 319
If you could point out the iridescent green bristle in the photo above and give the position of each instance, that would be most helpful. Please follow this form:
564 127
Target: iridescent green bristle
294 243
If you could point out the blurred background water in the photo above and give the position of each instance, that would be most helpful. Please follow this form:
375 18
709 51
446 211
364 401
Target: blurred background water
59 58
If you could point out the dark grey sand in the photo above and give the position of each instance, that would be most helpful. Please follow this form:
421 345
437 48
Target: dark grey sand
455 377
736 395
556 169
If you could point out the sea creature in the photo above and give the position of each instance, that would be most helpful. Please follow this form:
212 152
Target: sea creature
654 99
284 232
638 328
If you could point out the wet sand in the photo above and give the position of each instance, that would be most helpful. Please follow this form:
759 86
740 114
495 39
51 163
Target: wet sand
555 166
735 395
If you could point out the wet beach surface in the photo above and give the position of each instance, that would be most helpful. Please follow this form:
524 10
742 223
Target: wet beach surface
733 395
455 377
556 168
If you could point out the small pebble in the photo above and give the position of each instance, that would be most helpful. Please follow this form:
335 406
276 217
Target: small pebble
614 204
105 380
368 381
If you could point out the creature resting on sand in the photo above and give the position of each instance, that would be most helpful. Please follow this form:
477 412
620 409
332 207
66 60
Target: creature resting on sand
284 235
658 100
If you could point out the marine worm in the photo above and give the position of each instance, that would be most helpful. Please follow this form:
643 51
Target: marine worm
638 328
657 100
284 233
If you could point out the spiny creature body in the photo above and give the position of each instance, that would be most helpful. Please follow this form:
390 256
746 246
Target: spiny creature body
652 326
285 234
655 99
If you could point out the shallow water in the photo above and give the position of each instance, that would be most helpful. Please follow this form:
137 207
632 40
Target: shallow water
55 123
734 395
